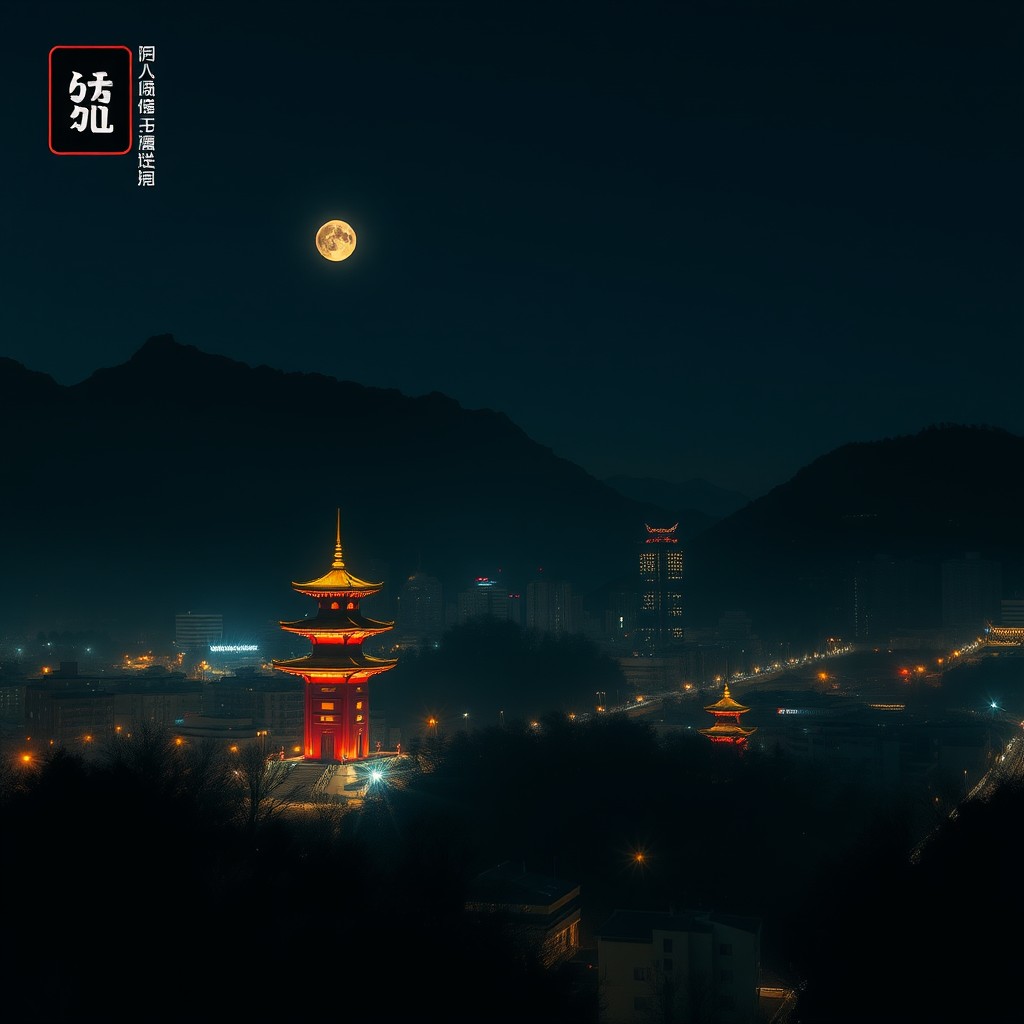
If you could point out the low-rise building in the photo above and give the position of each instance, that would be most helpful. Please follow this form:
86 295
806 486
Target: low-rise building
694 965
543 911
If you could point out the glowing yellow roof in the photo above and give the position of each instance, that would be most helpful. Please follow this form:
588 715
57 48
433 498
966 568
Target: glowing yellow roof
726 703
338 580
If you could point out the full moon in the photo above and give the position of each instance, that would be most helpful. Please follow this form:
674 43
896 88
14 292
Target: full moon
336 240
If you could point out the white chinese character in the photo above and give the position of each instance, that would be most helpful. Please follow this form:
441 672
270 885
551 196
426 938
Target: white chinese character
147 88
95 116
147 124
147 177
145 72
100 90
147 142
147 106
147 53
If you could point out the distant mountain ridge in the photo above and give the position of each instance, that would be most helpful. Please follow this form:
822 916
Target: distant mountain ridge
697 503
182 479
902 505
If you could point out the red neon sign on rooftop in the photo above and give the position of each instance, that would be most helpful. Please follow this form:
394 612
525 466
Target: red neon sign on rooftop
661 534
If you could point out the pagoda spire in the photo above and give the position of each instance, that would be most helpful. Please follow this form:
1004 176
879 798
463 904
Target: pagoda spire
339 561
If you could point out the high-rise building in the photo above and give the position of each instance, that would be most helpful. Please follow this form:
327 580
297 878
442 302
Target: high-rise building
552 608
195 631
486 598
420 617
1012 611
971 593
660 615
337 672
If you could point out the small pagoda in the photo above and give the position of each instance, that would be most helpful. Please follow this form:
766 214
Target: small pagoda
337 672
727 728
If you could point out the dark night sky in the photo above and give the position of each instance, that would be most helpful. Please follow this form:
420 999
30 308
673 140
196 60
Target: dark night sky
699 239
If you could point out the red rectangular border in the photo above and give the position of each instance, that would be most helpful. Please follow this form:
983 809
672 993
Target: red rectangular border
49 112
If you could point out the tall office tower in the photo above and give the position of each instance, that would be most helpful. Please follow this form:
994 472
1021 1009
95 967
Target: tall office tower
552 608
420 618
195 631
485 598
660 616
971 593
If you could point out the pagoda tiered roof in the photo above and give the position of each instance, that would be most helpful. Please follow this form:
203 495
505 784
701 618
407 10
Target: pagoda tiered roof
337 581
328 661
726 704
337 622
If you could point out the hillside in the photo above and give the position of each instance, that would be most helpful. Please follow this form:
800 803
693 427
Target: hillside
182 480
894 508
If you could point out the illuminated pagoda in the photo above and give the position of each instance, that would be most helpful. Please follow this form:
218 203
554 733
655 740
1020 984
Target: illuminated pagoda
337 672
727 728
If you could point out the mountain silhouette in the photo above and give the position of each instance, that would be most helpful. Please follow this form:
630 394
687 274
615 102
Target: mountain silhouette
793 556
181 480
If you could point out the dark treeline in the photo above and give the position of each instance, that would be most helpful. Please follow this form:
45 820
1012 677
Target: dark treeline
159 885
487 665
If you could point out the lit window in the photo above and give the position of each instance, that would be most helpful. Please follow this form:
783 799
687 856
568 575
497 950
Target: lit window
335 606
359 705
327 718
359 718
327 705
